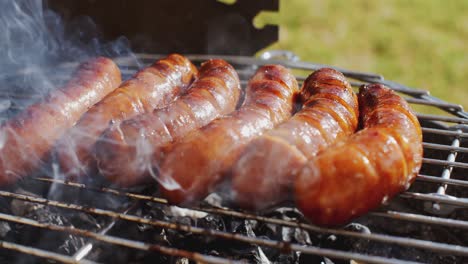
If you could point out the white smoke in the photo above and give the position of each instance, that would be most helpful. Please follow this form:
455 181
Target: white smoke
34 38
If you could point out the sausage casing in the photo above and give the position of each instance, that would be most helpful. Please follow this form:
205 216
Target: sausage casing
271 161
358 174
27 138
124 151
150 88
194 166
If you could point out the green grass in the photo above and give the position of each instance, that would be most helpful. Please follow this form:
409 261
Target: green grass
420 43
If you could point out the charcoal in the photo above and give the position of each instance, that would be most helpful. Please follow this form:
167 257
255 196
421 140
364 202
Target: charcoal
41 238
212 222
347 243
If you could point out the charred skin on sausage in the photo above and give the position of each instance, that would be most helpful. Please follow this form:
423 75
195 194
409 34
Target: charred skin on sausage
264 174
356 175
124 151
194 166
150 88
28 138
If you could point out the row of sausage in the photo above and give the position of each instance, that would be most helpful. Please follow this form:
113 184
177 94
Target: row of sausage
338 155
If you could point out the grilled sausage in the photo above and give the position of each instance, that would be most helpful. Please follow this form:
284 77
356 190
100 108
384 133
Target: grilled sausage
27 138
329 114
124 151
195 165
358 174
150 88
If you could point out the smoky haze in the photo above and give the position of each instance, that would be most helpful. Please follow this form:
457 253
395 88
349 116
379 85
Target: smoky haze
33 36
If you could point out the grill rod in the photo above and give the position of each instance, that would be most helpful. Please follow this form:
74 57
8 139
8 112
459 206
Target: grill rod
443 132
228 212
427 245
458 120
452 147
437 179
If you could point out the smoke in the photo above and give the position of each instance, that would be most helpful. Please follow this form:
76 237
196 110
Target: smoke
33 40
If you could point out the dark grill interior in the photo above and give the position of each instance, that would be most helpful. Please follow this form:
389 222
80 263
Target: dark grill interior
47 219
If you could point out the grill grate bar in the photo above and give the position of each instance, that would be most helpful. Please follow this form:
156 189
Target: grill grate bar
250 61
445 199
41 253
440 180
116 240
104 189
451 119
444 147
445 163
435 103
232 213
423 219
445 132
426 245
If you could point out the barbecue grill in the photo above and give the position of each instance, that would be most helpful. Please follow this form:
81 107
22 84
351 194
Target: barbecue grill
48 219
431 218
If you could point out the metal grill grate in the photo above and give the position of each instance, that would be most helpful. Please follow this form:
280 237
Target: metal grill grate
438 198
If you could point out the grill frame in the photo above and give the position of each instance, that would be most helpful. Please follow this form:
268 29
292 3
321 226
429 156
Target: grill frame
437 202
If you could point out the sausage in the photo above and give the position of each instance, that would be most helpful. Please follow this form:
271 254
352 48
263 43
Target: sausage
195 165
26 139
124 151
329 114
358 174
150 88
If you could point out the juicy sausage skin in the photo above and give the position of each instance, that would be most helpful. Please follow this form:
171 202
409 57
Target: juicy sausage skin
194 166
356 175
150 88
329 114
27 138
125 150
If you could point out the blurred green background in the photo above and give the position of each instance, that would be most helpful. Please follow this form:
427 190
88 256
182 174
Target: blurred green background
419 43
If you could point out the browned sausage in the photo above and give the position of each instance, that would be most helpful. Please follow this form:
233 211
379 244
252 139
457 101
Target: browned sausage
194 166
271 162
28 137
124 151
150 88
356 175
